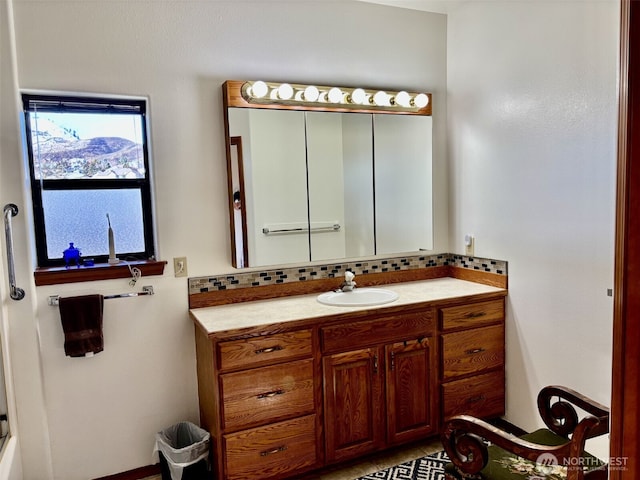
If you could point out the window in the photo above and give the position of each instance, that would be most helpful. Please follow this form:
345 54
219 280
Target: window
88 158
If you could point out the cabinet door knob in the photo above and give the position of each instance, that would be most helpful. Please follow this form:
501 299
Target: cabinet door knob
375 363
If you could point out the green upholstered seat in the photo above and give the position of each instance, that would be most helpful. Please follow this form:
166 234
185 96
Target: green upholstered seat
503 465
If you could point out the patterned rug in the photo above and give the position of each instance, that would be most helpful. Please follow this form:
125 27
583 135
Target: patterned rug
430 467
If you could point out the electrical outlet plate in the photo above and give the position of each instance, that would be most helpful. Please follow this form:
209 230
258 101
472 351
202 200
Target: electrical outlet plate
469 243
180 266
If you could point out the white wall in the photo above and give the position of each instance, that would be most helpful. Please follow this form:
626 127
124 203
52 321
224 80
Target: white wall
29 442
99 415
532 142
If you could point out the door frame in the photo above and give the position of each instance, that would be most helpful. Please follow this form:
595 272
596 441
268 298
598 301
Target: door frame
625 401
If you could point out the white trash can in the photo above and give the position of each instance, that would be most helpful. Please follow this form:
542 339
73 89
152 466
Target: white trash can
184 452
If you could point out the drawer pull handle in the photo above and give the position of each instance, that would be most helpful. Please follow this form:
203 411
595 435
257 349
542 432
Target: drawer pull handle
271 394
279 449
475 314
268 349
473 351
475 399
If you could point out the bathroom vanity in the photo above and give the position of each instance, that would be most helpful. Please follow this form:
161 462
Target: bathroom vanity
289 385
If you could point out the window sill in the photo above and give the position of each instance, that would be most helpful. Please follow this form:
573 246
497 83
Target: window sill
99 271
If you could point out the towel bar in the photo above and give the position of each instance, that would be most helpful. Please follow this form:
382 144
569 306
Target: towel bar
11 210
54 300
319 227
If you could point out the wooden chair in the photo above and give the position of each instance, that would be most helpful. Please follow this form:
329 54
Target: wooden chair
479 450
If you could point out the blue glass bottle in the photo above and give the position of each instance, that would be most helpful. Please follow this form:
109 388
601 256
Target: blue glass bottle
70 255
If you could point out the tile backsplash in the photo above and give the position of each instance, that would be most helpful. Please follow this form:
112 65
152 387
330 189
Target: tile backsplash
256 278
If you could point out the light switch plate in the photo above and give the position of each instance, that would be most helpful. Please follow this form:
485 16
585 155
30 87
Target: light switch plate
180 266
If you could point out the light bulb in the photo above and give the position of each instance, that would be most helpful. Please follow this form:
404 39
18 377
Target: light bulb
285 91
311 93
335 95
259 89
358 96
403 99
381 99
421 100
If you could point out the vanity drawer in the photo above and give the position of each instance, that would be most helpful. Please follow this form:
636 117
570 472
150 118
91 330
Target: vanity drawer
271 451
261 395
259 350
471 351
480 396
472 315
384 330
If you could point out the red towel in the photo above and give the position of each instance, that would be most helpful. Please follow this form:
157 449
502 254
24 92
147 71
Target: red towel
82 324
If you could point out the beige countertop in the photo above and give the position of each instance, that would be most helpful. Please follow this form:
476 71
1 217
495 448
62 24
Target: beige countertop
223 318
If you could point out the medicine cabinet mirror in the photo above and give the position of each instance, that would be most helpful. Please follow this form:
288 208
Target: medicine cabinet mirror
326 179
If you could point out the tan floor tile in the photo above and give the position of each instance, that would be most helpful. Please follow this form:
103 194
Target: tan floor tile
406 455
350 473
432 446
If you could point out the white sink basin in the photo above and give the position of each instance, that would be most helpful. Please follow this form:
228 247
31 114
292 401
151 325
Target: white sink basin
360 297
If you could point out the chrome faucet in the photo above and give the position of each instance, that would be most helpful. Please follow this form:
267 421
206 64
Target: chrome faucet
348 285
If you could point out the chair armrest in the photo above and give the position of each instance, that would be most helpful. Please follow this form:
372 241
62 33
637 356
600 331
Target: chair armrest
463 438
561 416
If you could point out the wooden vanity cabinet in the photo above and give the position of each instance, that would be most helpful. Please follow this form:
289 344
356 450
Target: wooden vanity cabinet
378 384
258 400
285 399
472 356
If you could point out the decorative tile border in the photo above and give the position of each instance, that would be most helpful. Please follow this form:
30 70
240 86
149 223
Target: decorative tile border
481 264
244 279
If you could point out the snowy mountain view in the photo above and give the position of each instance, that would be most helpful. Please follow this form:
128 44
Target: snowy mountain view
71 147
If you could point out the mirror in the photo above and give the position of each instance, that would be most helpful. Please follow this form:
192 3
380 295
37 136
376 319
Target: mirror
317 184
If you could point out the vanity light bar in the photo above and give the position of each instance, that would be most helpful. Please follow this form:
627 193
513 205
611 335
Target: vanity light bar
261 92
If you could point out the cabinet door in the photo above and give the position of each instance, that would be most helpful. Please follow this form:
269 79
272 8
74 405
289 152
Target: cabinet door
353 403
410 403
